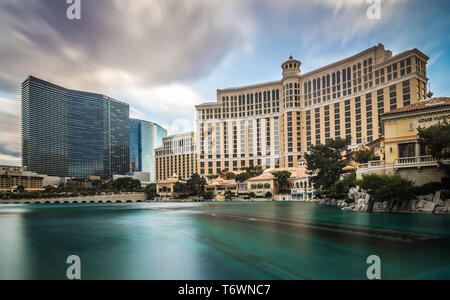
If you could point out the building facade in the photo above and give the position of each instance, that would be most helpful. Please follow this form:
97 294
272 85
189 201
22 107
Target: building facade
273 124
403 154
69 133
177 157
145 137
11 178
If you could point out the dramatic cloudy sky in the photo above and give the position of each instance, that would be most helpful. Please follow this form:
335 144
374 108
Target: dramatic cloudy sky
164 56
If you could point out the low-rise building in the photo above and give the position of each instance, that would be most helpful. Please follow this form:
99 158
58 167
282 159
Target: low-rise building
403 154
13 178
166 188
221 186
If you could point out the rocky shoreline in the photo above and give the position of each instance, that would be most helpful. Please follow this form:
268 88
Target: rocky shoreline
429 204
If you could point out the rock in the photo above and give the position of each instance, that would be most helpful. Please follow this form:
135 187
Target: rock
437 197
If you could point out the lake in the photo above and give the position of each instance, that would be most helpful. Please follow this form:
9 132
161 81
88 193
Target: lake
273 240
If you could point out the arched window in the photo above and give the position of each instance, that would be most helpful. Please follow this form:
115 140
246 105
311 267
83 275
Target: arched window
328 80
333 78
290 85
338 77
324 83
370 61
365 63
344 76
305 88
318 83
349 74
314 85
278 94
309 86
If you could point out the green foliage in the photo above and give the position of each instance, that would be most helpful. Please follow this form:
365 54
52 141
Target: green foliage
429 188
196 185
229 195
230 176
437 139
208 195
445 195
283 178
252 195
268 195
363 156
127 184
388 188
151 191
341 187
326 162
180 188
249 172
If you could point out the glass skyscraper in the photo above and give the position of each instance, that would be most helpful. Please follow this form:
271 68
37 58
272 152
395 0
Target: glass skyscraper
145 137
71 133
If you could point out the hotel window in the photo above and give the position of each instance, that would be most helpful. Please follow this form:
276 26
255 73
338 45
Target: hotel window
407 150
393 97
406 93
369 119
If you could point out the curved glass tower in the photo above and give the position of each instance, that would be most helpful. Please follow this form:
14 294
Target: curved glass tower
71 133
145 137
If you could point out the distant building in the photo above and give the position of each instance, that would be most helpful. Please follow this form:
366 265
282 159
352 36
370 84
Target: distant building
143 177
403 154
176 157
145 137
69 133
12 178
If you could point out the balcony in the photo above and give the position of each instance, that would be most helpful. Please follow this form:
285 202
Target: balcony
372 165
412 162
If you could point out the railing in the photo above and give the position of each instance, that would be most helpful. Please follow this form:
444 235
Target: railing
372 164
414 160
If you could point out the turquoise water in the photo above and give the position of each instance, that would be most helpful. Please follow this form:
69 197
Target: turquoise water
219 241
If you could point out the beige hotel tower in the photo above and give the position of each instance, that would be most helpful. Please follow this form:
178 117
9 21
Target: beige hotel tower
273 124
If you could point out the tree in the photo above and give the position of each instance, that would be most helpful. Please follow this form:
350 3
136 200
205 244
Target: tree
363 156
437 141
252 195
230 176
126 184
382 188
341 187
208 195
229 195
326 162
181 188
242 177
196 185
249 172
268 195
283 179
151 191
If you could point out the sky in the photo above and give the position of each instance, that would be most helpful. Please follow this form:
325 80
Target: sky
165 56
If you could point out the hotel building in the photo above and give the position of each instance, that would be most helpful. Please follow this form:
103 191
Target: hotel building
69 133
177 157
273 124
145 137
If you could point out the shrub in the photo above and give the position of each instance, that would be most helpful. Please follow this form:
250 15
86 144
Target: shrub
268 195
340 189
208 195
429 188
252 195
388 188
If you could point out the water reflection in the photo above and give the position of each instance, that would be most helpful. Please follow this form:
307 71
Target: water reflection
219 241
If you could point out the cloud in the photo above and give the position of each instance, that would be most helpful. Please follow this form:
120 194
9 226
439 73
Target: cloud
171 106
10 132
143 42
